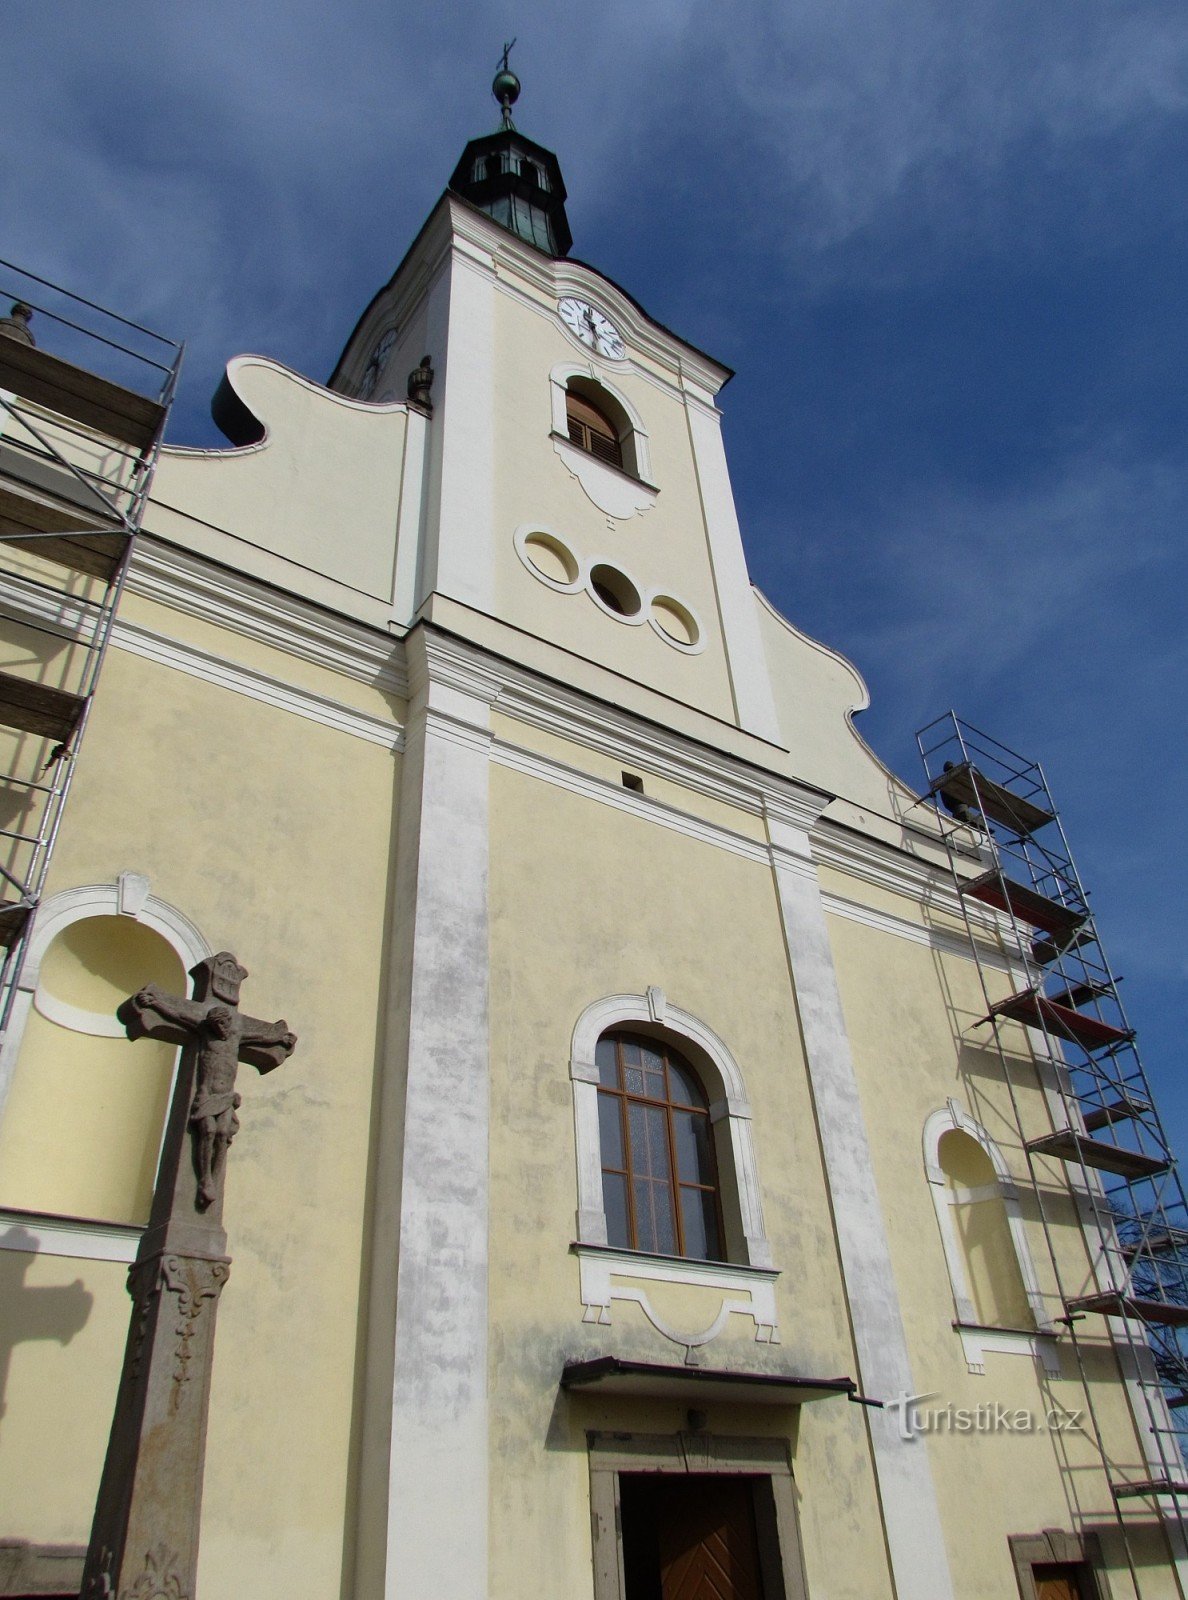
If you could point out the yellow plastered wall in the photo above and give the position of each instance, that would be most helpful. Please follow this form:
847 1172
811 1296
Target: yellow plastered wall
273 834
992 1268
588 901
910 1014
82 1125
62 1328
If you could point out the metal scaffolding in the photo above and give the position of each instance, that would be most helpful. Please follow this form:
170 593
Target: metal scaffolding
84 395
1009 854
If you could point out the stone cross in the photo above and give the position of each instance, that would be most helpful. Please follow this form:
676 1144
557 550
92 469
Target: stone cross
144 1539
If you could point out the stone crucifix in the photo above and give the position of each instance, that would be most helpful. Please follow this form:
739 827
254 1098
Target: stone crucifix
144 1539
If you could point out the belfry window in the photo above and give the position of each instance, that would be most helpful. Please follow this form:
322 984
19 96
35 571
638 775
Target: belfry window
659 1178
591 429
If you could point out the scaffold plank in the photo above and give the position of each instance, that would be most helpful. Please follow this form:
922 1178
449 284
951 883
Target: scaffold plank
72 391
1120 1110
1037 1011
964 785
1114 1303
13 917
96 555
1148 1486
38 708
1004 894
1068 1145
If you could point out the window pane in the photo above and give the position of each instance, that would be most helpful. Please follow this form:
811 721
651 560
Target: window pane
682 1088
700 1223
653 1065
690 1130
653 1216
614 1198
633 1078
607 1063
610 1130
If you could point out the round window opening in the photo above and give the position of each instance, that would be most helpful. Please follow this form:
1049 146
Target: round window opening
674 620
615 590
551 558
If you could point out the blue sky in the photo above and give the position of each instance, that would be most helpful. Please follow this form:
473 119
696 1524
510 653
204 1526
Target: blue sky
943 246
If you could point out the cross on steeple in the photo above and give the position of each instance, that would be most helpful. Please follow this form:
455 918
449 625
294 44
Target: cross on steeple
506 87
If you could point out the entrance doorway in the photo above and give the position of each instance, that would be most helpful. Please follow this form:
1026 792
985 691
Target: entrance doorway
692 1537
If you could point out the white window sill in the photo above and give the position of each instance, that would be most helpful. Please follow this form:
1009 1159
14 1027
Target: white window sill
1038 1343
610 1274
82 1238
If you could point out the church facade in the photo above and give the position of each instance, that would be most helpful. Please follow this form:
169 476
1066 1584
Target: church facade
640 1212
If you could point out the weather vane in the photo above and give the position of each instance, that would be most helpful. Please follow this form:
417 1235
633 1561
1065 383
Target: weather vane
506 87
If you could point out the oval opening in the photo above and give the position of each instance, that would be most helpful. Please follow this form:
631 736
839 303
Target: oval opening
615 590
550 558
674 620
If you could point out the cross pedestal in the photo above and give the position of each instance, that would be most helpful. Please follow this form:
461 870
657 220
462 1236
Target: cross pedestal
144 1540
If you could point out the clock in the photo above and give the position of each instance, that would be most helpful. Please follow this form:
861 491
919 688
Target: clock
594 330
371 373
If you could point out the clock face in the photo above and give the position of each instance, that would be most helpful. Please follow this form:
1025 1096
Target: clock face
594 330
371 373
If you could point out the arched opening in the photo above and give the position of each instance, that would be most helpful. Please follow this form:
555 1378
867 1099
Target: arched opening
82 1125
711 1125
994 1285
590 423
659 1173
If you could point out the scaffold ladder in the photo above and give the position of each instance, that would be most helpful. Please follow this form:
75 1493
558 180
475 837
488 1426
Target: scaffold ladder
1010 858
84 397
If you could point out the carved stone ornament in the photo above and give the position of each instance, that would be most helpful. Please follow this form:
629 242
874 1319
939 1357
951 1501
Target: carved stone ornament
160 1578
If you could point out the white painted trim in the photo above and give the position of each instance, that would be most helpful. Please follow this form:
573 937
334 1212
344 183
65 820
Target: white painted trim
953 1118
697 643
257 610
977 1341
36 1234
617 494
533 530
750 679
460 552
745 1291
424 1504
74 622
723 1082
254 685
410 518
907 1496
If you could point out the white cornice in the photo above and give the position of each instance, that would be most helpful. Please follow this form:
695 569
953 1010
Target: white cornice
65 617
197 588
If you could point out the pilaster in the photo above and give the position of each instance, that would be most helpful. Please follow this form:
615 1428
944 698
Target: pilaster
911 1517
423 1480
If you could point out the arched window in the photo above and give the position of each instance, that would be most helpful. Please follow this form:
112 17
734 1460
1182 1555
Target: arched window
591 428
982 1232
694 1084
994 1284
83 1113
659 1177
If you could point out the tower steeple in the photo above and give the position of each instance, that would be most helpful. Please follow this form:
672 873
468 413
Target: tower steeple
513 179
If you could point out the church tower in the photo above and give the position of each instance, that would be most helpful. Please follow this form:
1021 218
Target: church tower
640 1193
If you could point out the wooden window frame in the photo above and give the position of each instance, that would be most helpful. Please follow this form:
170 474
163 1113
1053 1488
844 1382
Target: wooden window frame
583 417
626 1098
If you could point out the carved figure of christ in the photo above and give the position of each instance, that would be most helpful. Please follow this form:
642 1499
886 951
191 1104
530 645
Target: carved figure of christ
221 1038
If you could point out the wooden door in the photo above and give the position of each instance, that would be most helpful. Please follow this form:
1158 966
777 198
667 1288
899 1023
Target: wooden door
1057 1581
690 1538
